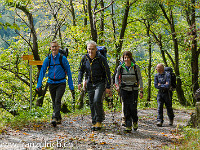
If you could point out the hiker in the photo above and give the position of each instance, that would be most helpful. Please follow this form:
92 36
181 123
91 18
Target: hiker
162 81
98 80
57 70
128 80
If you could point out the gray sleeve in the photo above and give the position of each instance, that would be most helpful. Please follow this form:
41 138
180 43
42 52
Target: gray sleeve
117 75
139 76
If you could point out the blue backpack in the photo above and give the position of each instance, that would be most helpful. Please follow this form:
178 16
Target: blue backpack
102 50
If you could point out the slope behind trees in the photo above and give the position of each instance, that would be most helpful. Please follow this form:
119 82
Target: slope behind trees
115 24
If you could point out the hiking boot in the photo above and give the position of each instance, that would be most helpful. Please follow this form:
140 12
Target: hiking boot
135 126
98 126
58 121
123 121
53 122
128 129
171 121
159 124
93 127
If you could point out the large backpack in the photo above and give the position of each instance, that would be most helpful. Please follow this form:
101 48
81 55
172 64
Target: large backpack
173 77
102 50
63 52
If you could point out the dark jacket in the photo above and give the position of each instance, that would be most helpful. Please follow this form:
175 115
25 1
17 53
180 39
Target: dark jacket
162 79
97 70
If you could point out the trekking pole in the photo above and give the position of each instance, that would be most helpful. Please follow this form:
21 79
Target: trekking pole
74 100
112 108
112 105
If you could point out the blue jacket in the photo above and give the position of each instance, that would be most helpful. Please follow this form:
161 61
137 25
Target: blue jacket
162 79
97 70
56 74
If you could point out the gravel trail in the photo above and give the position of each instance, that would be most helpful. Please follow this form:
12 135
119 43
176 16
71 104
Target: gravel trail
75 133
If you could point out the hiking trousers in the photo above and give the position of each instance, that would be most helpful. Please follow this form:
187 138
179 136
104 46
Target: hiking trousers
130 99
164 97
57 91
95 93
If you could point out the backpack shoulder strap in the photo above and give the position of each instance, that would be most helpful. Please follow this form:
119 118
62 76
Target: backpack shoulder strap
135 69
60 60
49 58
84 59
120 70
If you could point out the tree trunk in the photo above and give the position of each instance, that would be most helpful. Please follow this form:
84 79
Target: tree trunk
149 67
124 24
179 89
34 36
101 23
85 12
73 13
195 53
92 22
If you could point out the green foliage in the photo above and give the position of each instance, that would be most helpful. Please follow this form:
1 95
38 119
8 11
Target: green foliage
191 139
14 78
25 117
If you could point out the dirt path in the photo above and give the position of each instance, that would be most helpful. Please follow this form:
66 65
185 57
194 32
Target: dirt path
75 133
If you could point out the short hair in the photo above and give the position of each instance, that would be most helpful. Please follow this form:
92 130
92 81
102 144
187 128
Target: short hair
129 54
91 42
54 42
160 64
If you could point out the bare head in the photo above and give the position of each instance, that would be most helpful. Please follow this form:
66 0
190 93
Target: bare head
92 49
54 48
160 68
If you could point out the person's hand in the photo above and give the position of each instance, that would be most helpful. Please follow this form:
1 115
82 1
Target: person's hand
141 95
38 89
108 91
84 85
117 87
79 86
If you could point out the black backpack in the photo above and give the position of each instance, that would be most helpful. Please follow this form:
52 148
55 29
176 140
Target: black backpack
173 76
63 52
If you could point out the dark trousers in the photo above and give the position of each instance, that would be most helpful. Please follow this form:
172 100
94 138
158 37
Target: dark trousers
130 99
95 93
164 98
57 91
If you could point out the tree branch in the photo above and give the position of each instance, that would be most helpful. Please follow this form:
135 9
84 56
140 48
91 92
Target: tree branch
16 74
104 7
165 14
5 41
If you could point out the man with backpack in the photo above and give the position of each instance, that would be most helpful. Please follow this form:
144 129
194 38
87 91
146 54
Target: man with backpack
128 80
162 81
98 80
58 67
